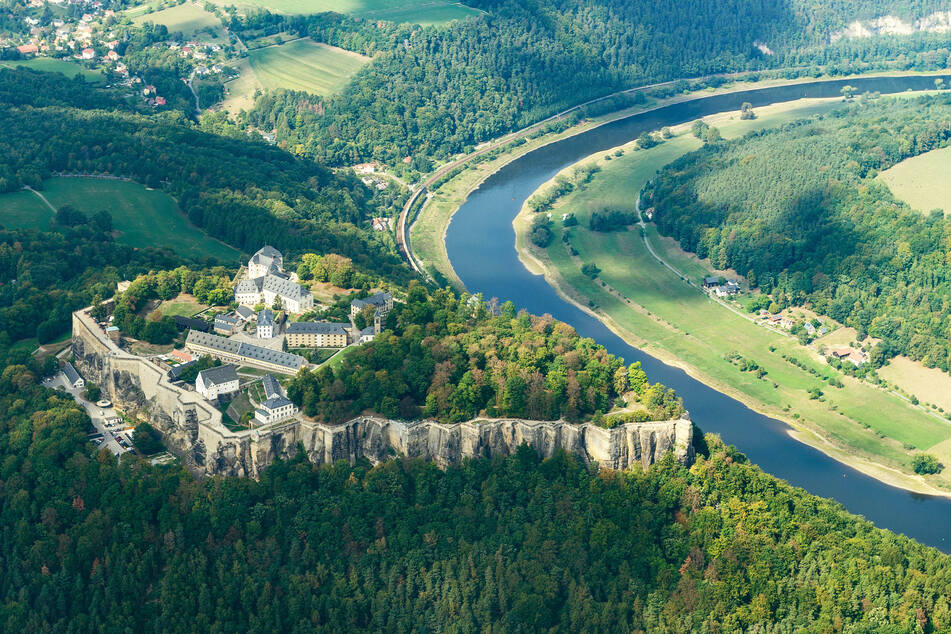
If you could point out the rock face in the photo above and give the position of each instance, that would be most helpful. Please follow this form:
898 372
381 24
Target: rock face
193 429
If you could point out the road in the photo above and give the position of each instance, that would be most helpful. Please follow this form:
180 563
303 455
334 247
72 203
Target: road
402 228
106 421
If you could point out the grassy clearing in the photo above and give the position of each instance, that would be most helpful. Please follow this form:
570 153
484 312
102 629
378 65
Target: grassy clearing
658 311
189 19
142 217
930 385
922 181
50 65
305 65
425 12
239 92
185 305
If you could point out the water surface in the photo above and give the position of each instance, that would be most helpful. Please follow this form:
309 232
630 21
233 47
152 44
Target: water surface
481 245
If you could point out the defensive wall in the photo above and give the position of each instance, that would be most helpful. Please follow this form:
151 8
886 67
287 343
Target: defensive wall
193 428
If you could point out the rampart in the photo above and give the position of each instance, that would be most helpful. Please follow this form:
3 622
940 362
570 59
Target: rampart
194 431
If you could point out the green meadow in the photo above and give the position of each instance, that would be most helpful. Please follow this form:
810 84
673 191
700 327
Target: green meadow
424 12
658 310
141 217
922 181
186 18
305 65
50 65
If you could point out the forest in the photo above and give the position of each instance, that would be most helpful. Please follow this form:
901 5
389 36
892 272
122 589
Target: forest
798 210
453 359
435 92
509 544
244 192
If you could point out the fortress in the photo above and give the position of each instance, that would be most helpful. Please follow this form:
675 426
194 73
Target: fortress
193 429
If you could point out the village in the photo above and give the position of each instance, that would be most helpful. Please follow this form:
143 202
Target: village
807 329
87 32
236 359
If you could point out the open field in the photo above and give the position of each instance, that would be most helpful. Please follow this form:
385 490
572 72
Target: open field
655 309
930 385
424 12
50 65
305 65
239 92
142 217
189 19
922 181
185 305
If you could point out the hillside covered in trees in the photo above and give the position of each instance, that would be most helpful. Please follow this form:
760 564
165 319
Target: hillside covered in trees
798 210
242 191
435 92
510 544
445 358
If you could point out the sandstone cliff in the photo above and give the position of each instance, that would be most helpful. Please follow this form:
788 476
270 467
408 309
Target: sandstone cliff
193 429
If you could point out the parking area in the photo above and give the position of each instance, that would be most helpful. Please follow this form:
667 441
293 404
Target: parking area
111 432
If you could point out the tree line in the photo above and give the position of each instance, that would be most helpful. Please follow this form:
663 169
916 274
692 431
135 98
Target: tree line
799 210
449 358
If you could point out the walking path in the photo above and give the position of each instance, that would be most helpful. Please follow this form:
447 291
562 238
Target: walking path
41 196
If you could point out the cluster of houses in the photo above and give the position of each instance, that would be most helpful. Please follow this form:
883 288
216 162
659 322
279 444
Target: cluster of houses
91 38
222 382
846 353
778 319
721 287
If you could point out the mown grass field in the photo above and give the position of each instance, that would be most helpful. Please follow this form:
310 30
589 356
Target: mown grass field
185 305
922 181
142 217
239 92
665 315
425 12
50 65
186 18
305 65
930 385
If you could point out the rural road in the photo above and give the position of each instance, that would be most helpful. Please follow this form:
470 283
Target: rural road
402 228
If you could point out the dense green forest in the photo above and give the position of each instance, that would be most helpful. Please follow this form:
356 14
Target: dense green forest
798 210
452 359
435 92
243 192
510 544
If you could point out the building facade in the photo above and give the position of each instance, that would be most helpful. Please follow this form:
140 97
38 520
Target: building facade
316 334
215 382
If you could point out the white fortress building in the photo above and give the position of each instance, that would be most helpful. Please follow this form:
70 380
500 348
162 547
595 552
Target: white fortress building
267 282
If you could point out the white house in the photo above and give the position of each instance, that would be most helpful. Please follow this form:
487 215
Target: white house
266 260
265 324
267 282
72 376
275 409
218 381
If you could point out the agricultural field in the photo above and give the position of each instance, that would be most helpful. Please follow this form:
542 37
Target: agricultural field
305 65
424 12
50 65
930 385
922 181
189 19
141 217
656 309
239 92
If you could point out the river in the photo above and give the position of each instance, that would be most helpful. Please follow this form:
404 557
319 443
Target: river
481 245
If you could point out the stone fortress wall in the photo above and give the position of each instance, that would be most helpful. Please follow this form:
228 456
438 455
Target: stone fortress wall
193 428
